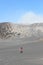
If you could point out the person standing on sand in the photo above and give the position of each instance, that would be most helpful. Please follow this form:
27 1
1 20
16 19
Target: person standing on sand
21 49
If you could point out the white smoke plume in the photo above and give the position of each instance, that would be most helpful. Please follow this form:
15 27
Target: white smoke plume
30 18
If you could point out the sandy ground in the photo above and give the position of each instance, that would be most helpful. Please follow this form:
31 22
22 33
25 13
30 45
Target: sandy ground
10 55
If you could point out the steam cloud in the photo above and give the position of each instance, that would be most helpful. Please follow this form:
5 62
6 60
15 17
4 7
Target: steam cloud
30 18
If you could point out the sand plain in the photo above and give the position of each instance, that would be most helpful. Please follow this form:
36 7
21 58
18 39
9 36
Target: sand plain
10 55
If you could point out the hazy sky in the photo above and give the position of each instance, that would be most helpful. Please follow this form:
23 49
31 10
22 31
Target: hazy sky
21 11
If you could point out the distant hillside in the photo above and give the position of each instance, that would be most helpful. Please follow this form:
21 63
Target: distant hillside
11 30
